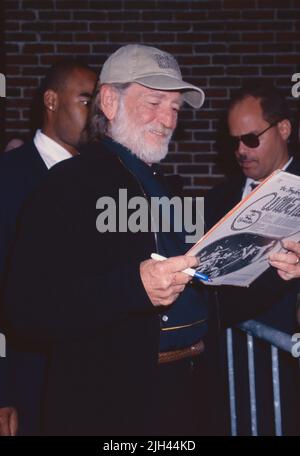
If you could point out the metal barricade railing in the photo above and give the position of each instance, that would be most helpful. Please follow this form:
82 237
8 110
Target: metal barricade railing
278 341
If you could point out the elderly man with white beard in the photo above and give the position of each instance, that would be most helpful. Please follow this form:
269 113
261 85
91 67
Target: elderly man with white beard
124 332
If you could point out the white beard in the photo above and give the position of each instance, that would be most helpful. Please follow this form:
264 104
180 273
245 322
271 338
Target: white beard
123 131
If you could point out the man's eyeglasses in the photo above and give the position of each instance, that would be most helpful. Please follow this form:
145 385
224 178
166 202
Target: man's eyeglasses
250 139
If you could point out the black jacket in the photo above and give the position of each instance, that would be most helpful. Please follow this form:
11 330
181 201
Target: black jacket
21 372
79 291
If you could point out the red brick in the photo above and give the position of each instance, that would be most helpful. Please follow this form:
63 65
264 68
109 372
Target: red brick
11 48
193 147
243 26
22 59
13 114
225 82
287 59
72 5
244 48
50 59
21 81
38 26
277 70
20 15
207 5
207 26
91 36
288 36
194 60
12 5
38 48
124 37
192 169
178 158
106 26
224 15
286 4
190 16
13 92
54 15
258 59
274 26
138 27
242 70
258 14
126 15
57 37
226 59
205 157
90 16
208 70
20 37
257 37
73 48
35 4
231 4
16 125
277 47
34 71
71 26
13 70
225 37
289 15
12 26
210 48
174 26
194 37
161 38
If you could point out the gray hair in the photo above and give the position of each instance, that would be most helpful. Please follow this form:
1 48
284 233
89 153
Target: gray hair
97 124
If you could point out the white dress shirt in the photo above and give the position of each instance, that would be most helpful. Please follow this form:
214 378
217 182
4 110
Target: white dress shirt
50 151
249 181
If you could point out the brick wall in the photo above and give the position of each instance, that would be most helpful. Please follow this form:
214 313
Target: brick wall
219 45
2 70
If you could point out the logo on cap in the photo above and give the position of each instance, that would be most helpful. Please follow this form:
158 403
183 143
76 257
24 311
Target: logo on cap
166 61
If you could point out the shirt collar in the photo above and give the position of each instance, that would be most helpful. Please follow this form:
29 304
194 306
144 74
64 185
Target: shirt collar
249 181
50 151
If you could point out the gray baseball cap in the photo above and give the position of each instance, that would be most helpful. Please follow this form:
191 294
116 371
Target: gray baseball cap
151 68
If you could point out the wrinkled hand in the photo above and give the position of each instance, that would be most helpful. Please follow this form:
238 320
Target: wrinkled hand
287 264
163 280
8 421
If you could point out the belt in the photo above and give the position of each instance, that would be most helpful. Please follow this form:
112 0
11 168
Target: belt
176 355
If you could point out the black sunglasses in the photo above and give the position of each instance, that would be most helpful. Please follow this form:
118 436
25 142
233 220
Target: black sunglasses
250 139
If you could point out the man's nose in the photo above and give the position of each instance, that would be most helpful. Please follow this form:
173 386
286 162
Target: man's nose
241 149
168 117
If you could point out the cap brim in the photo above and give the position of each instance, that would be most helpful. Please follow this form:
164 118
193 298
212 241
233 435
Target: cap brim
192 95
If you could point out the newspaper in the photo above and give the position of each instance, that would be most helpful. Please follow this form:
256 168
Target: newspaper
235 250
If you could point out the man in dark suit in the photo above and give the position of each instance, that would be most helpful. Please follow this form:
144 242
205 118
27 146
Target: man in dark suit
65 96
259 125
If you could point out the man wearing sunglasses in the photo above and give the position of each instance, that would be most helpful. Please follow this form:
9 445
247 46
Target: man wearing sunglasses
259 128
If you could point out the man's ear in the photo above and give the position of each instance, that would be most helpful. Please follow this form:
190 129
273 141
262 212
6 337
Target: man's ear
109 101
50 100
285 128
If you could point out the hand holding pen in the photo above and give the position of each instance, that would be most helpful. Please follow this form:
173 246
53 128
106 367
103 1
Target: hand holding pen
189 271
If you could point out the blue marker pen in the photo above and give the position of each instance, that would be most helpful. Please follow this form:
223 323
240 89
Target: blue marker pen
191 272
